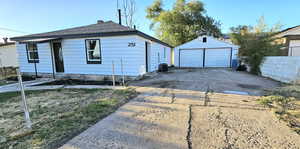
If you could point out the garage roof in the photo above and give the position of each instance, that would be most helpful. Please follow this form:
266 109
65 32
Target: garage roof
211 42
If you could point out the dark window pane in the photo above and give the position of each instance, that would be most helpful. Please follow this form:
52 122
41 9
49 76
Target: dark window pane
33 55
93 44
93 50
32 51
94 55
32 47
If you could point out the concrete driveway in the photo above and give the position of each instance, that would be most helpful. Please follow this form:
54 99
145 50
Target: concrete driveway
171 118
218 79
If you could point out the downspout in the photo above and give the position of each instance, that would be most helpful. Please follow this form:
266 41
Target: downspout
179 57
231 52
51 51
204 51
34 61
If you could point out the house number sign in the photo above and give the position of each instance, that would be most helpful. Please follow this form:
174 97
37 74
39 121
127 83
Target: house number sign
131 44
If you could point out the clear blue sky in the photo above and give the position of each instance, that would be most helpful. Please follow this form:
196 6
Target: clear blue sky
34 16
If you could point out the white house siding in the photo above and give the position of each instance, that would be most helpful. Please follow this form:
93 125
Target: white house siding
45 62
159 56
113 49
156 53
282 68
8 56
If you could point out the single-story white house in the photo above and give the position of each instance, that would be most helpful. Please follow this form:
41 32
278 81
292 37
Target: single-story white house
205 51
291 38
91 51
8 55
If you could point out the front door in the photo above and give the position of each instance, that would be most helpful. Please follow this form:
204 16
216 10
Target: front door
58 57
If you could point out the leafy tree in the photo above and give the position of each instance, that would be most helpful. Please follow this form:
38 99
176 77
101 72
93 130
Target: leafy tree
184 22
256 43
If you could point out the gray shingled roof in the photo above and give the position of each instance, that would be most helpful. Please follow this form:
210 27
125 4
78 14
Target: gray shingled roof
108 28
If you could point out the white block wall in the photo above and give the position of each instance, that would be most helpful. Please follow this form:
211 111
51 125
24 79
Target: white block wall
8 56
282 68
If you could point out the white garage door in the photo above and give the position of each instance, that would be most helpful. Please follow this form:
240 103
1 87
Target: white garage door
217 57
191 58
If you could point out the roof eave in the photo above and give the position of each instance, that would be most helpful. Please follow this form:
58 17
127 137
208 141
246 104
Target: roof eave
123 33
153 39
74 35
286 30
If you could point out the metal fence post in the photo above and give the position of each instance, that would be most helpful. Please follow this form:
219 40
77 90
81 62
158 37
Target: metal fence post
25 107
2 69
113 74
122 71
206 97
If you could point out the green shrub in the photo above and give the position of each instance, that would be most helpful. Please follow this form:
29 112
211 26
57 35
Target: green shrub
281 103
266 101
256 43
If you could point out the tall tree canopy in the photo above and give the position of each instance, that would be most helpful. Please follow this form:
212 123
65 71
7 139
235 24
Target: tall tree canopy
256 43
184 22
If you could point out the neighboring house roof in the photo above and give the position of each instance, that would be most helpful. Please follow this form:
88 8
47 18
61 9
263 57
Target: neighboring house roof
108 28
6 44
292 31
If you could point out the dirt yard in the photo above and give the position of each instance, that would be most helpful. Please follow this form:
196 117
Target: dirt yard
57 115
219 80
171 118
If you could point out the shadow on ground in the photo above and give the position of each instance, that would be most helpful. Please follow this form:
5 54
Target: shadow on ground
218 79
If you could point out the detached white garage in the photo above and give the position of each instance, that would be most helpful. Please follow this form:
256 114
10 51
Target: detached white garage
205 51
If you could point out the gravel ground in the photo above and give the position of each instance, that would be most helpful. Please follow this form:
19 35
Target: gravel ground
239 123
172 118
218 79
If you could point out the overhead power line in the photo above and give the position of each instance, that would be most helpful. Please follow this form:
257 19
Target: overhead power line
12 30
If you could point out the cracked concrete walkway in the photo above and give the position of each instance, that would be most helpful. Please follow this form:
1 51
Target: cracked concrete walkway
177 119
31 85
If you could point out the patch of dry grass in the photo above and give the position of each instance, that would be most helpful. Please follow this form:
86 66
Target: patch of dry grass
292 112
57 115
5 82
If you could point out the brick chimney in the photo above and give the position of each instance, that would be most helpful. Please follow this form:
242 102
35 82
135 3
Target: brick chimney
100 21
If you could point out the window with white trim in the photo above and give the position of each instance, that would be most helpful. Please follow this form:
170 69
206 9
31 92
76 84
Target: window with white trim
93 51
32 53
